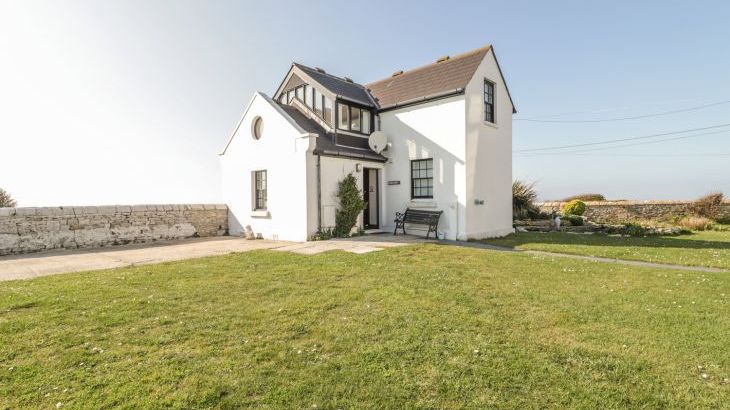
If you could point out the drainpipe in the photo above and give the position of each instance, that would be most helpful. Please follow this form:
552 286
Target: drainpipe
319 193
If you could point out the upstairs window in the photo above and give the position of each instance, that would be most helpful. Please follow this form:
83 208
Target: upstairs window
355 119
488 101
318 103
327 111
422 178
343 116
259 190
308 96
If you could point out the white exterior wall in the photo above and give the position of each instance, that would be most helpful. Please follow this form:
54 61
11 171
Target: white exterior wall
333 170
282 152
431 130
488 156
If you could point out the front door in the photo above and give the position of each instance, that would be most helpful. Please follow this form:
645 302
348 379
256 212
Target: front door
370 191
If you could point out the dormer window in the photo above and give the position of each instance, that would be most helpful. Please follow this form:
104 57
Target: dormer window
353 118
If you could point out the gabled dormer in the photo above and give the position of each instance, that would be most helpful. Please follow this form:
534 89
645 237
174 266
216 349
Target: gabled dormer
338 104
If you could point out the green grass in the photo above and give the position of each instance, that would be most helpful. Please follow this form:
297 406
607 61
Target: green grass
423 326
708 248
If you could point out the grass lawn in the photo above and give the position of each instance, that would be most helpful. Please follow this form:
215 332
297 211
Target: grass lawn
424 326
708 248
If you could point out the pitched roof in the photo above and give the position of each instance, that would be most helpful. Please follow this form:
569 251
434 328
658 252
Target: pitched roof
339 86
440 78
330 144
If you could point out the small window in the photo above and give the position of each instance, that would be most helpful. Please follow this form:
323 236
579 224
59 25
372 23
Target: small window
300 93
318 103
365 122
489 101
422 178
257 128
308 96
328 110
354 119
289 96
259 190
343 116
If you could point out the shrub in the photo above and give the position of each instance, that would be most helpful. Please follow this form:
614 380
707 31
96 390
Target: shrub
574 207
709 206
696 223
6 201
634 229
351 204
523 200
585 197
322 235
574 220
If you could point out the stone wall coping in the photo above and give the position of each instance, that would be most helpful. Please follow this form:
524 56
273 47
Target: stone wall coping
103 209
627 203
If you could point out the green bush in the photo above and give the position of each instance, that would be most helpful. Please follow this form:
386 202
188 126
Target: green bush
574 220
351 204
585 197
574 207
523 200
634 229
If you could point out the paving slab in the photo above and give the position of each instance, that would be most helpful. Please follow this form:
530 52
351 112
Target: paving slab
64 261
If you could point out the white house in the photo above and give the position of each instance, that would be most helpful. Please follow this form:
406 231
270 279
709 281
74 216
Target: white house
449 131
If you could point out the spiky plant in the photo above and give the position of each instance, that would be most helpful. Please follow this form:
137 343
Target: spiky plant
523 200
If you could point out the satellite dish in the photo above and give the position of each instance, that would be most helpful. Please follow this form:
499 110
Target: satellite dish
378 141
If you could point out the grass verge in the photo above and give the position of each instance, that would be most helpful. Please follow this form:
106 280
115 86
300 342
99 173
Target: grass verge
418 326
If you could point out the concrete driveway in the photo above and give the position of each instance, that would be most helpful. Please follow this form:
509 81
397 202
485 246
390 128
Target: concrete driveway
64 261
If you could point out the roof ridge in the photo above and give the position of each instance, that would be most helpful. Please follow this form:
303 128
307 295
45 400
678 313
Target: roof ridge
419 68
324 72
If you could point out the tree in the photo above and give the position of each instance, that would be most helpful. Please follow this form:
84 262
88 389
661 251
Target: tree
351 204
6 201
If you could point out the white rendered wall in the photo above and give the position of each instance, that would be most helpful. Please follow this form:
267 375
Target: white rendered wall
431 130
282 152
333 170
488 156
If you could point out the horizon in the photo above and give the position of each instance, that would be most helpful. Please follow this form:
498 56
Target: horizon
130 102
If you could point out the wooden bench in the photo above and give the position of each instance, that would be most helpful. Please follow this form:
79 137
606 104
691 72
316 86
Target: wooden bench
418 217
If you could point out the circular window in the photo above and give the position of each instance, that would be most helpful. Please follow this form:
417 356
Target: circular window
257 128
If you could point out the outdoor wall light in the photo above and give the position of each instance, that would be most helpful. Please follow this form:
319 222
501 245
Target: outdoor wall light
358 167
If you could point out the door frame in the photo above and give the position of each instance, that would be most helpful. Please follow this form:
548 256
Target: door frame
366 197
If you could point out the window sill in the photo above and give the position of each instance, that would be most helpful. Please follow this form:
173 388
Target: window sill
490 124
422 203
260 213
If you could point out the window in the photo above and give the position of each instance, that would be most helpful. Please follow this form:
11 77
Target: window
365 122
259 190
328 111
351 118
343 116
257 128
489 101
289 96
300 93
422 178
308 96
354 119
318 103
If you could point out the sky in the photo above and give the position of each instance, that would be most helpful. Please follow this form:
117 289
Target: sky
127 102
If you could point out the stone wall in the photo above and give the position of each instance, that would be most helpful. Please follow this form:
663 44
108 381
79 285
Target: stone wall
623 211
25 230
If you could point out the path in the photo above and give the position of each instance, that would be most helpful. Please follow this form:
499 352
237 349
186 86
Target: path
50 263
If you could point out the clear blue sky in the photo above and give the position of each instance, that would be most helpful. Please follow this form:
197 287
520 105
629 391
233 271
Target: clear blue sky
130 102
